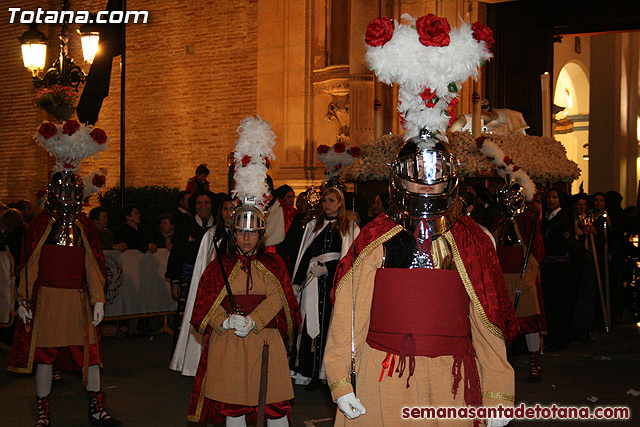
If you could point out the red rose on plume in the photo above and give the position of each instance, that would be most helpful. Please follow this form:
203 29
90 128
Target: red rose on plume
339 147
99 136
506 159
67 166
379 31
70 127
403 122
480 141
246 160
355 151
47 130
482 33
430 98
267 163
337 167
99 180
516 168
323 149
433 31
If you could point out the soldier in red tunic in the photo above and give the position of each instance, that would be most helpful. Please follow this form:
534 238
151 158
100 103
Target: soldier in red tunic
62 298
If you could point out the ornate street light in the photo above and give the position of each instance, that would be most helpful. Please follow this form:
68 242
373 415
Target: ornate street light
64 71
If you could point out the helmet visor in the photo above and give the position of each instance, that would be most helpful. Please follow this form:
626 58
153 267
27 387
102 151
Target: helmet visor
427 167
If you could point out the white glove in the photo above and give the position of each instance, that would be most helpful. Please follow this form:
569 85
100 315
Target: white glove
98 313
232 322
244 330
498 422
24 314
350 406
318 270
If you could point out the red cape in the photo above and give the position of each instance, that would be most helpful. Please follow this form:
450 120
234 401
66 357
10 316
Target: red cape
21 355
210 287
477 254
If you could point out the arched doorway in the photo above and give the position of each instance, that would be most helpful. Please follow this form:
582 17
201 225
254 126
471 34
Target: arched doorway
572 123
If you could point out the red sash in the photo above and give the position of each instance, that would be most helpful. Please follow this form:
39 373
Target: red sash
62 267
424 312
247 303
511 259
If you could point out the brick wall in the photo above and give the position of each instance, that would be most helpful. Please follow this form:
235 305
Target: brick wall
191 76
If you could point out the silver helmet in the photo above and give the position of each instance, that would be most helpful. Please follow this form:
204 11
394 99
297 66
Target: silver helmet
64 203
511 198
248 217
424 178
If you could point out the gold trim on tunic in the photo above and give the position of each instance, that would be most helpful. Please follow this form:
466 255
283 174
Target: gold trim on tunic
498 396
469 287
339 384
261 317
370 247
283 297
218 301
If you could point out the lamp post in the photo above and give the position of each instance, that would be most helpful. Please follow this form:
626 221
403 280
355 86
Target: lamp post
65 71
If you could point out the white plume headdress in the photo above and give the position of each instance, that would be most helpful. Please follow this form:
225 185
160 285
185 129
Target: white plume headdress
429 61
253 156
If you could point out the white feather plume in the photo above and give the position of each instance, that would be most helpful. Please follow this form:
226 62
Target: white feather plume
415 67
253 154
70 150
509 171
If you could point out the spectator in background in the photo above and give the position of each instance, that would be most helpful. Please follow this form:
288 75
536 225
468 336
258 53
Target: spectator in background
380 204
199 183
12 229
182 214
26 209
129 232
285 193
107 238
555 272
162 238
186 242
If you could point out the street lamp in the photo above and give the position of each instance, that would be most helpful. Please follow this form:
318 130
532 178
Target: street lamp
64 71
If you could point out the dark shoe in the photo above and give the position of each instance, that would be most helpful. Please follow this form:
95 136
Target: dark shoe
98 414
58 381
535 372
43 412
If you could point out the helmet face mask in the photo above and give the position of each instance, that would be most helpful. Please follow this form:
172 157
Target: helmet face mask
424 181
512 198
64 197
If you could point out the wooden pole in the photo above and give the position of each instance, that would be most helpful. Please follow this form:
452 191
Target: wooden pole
545 81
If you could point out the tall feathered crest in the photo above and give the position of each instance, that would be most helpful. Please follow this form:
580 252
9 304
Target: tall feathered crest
429 61
253 156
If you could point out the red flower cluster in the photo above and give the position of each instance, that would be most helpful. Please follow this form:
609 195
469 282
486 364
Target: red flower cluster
337 167
506 159
379 31
99 180
355 151
70 127
482 33
246 160
99 136
430 98
339 147
267 163
68 165
452 111
47 130
403 122
323 149
433 31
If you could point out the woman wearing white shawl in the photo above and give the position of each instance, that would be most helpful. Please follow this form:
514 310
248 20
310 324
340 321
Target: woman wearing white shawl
189 346
325 241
